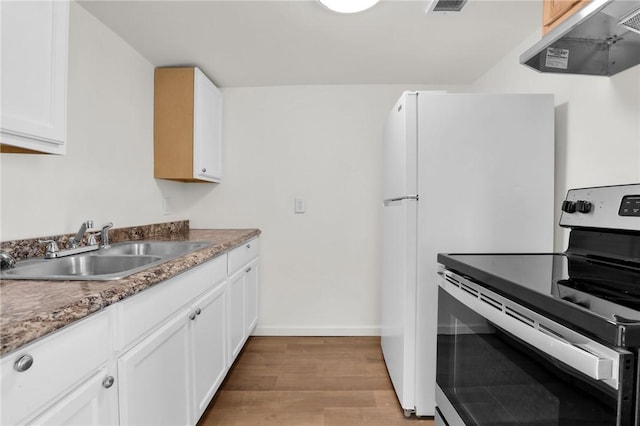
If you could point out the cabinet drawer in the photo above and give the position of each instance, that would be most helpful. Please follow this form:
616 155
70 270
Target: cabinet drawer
142 313
59 361
243 254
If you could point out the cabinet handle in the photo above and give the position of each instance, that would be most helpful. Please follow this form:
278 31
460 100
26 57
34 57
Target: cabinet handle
108 382
23 363
192 316
248 245
248 269
198 311
204 169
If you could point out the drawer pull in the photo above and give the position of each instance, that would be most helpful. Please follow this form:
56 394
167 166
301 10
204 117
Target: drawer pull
198 311
248 269
204 170
192 316
248 246
108 382
23 363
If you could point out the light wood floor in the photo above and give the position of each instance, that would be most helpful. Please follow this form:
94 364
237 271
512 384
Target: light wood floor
308 381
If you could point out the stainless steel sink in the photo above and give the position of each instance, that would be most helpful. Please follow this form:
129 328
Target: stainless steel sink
118 261
152 248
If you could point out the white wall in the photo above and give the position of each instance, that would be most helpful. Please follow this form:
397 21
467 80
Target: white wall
597 123
107 174
320 269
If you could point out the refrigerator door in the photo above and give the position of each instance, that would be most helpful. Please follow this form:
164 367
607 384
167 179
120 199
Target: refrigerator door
398 298
399 234
486 186
399 150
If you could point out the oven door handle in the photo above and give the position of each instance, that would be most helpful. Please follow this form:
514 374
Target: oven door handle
578 355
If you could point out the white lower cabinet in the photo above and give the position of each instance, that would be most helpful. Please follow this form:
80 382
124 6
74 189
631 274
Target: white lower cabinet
243 307
171 375
251 296
237 332
156 358
155 377
94 402
242 295
209 347
46 378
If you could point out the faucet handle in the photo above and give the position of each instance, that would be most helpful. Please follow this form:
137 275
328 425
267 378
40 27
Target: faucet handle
91 240
51 250
6 261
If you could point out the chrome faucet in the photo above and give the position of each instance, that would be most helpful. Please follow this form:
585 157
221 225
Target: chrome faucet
104 235
6 261
75 241
53 252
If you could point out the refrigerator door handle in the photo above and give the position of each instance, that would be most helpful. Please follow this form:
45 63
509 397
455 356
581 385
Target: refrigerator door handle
406 197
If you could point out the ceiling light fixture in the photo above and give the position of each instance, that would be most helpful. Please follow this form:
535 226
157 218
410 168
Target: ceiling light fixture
348 6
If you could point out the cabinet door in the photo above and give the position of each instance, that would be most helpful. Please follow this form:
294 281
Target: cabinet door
236 316
60 362
556 11
207 124
210 346
92 403
34 75
155 377
251 296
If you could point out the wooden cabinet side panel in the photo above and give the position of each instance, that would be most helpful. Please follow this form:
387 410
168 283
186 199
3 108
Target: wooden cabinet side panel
173 123
555 12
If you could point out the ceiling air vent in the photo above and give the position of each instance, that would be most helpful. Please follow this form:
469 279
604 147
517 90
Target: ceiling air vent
631 21
446 5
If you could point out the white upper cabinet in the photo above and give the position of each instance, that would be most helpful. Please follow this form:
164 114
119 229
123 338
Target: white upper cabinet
207 158
187 129
34 76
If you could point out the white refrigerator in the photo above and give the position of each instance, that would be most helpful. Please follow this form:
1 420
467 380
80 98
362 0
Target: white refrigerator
461 173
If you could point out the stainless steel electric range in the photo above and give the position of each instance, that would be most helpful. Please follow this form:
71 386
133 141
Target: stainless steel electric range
546 339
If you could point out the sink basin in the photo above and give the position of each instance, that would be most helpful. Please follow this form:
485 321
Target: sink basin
153 248
82 267
116 262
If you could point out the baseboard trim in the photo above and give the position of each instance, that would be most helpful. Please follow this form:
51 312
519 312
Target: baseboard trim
309 331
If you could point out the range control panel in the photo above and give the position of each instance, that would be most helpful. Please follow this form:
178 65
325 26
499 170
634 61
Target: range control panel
630 206
605 207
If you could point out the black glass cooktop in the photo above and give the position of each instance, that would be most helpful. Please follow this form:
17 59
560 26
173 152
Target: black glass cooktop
599 297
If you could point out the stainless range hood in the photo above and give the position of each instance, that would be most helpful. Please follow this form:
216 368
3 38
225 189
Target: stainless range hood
602 38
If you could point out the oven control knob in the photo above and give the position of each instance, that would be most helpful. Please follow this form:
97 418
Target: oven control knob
583 206
568 206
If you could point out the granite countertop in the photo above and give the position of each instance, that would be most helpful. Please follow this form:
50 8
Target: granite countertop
32 309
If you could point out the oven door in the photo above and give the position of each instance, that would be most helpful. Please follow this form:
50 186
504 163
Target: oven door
499 363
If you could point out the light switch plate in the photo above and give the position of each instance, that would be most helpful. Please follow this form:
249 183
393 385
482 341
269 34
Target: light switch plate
166 206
